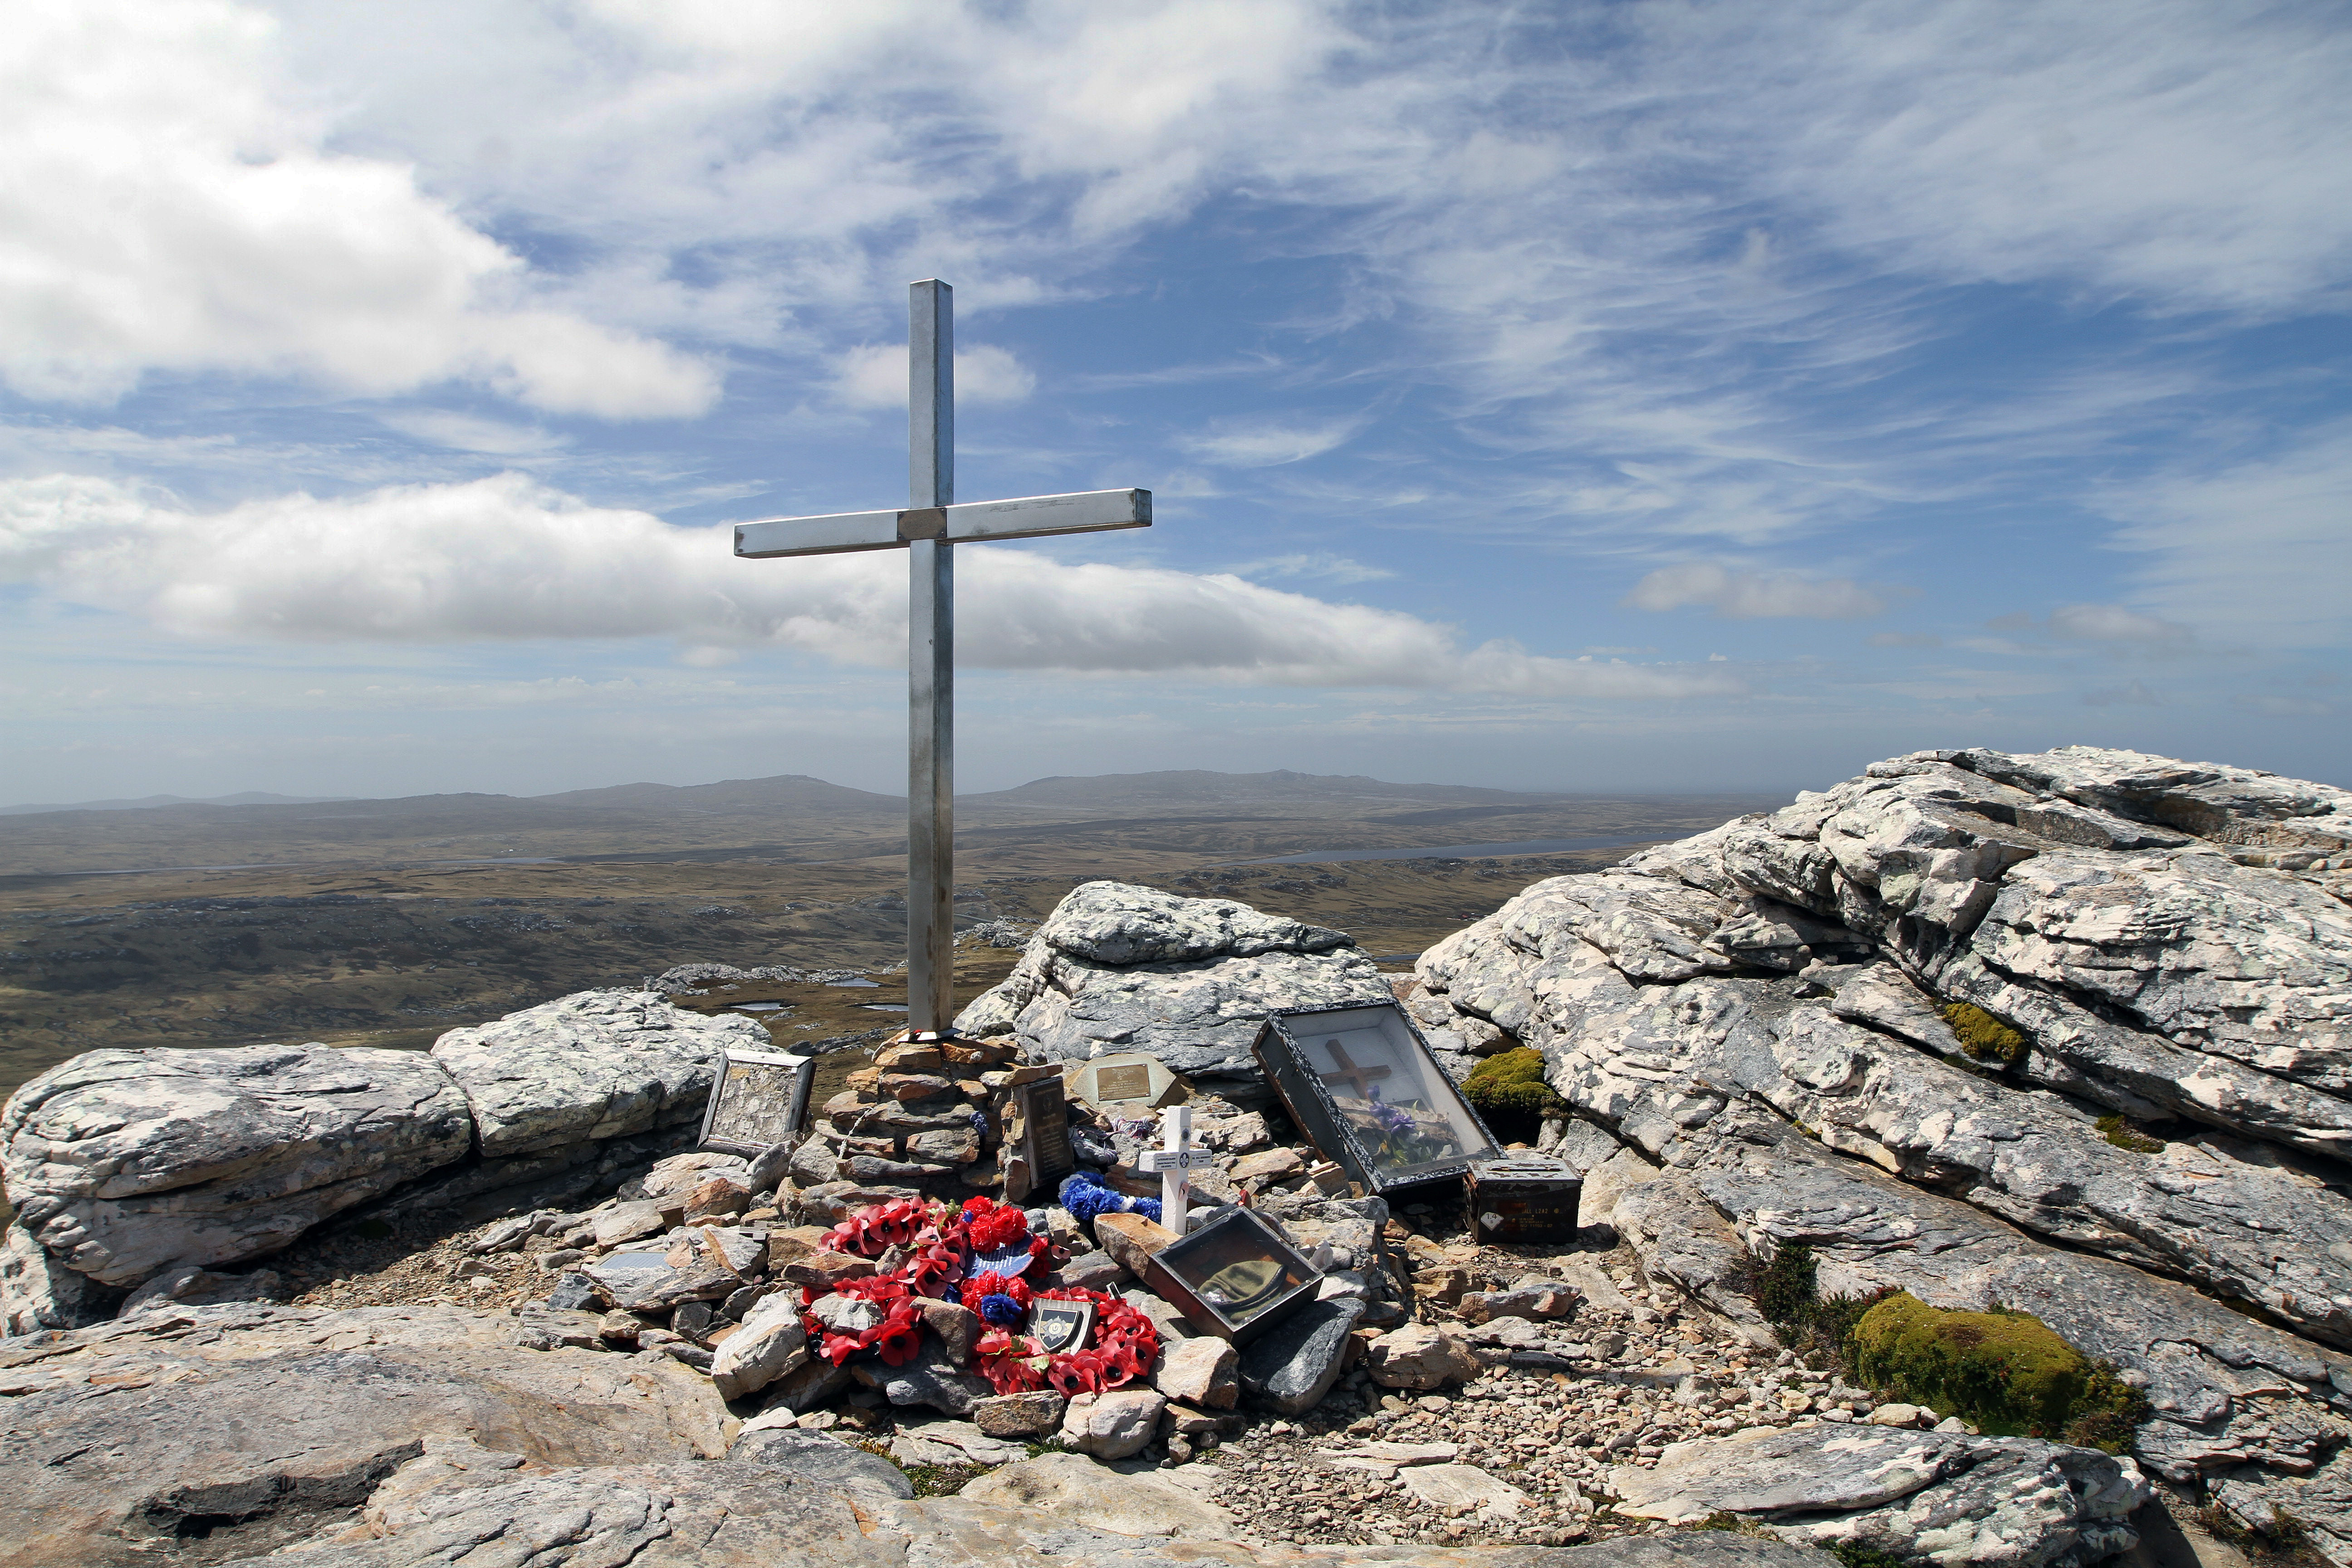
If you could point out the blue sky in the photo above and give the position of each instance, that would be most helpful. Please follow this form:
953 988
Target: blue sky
1607 397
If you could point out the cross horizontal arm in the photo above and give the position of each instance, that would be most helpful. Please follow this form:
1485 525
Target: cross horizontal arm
974 522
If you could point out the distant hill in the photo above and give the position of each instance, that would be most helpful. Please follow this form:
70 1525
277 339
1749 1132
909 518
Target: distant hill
1196 788
250 797
785 792
794 818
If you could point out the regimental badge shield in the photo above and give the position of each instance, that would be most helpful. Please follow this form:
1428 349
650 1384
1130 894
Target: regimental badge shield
1061 1326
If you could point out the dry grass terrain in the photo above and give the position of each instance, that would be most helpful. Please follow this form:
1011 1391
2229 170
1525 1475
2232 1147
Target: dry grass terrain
385 923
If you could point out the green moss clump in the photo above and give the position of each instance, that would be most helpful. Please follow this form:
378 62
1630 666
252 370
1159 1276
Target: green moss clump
1512 1082
1982 1036
2119 1133
2003 1372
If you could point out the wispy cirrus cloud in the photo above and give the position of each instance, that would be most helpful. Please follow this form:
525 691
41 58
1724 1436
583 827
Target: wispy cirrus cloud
1266 443
1739 594
1322 565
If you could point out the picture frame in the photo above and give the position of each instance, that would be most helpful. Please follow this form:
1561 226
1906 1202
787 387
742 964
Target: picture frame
1234 1277
1366 1089
758 1099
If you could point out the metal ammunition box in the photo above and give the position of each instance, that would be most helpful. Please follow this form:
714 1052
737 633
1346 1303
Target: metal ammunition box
1523 1197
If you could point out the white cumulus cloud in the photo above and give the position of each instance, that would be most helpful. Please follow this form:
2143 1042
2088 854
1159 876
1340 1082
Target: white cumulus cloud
1736 594
505 557
168 205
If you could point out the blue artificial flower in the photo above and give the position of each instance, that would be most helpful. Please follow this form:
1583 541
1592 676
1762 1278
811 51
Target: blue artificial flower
1000 1309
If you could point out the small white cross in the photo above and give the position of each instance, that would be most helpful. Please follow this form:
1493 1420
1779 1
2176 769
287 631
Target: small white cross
1172 1161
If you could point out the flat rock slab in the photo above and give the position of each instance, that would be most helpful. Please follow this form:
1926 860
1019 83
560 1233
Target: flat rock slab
1948 1496
118 1434
123 1163
968 1533
822 1457
1073 1488
954 1442
646 1516
587 1066
1463 1487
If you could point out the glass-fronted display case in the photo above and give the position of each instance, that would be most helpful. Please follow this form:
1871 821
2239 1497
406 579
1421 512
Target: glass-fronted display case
1362 1084
1233 1276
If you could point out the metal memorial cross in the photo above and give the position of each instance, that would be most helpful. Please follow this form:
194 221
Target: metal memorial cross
1173 1162
932 525
1360 1079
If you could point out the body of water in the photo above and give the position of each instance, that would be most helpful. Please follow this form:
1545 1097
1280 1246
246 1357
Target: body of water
1445 851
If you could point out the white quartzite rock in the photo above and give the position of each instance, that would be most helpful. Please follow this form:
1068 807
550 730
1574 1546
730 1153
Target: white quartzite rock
1419 1356
36 1291
590 1066
1121 968
1947 1496
768 1343
1205 1371
1112 1426
120 1162
1760 1009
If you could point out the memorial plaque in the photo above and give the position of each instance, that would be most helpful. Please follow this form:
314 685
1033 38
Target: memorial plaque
758 1100
1126 1084
1361 1084
1234 1277
1037 1152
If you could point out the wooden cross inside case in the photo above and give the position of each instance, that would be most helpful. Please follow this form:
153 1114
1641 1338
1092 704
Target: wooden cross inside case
1362 1084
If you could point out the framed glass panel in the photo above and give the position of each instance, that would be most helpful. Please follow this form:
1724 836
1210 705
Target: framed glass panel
1360 1083
1233 1276
757 1099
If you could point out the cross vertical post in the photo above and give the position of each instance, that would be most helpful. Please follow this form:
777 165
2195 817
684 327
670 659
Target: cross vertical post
927 529
930 662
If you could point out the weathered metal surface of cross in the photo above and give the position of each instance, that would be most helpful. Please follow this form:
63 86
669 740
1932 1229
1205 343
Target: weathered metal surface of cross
928 529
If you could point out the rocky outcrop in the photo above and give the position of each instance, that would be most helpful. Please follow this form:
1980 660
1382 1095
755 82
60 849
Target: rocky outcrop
1944 1495
2135 1134
1121 968
398 1438
122 1165
120 1439
588 1067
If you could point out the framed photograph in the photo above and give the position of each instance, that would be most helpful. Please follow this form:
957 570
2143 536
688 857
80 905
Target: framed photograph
1361 1084
758 1099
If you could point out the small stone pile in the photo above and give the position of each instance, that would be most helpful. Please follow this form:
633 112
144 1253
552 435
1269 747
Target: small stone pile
923 1114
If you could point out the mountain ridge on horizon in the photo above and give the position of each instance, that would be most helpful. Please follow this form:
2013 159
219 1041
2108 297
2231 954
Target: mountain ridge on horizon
807 791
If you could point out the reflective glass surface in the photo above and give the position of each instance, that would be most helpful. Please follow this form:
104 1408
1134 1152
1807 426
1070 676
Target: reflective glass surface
1394 1103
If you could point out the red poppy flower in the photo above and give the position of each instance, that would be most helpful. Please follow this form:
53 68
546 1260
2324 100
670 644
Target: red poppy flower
899 1335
